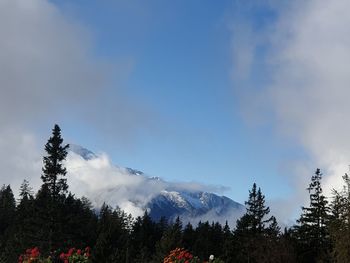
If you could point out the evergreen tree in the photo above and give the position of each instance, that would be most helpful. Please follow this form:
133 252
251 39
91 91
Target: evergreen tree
53 170
171 239
312 231
24 220
25 191
255 230
112 241
7 208
340 222
143 238
227 244
201 246
7 215
51 197
189 236
79 222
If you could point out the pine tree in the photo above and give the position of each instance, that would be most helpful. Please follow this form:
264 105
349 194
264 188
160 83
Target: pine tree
25 191
112 240
188 236
312 231
201 245
255 230
143 238
171 239
51 197
227 246
53 170
340 222
7 208
7 215
24 219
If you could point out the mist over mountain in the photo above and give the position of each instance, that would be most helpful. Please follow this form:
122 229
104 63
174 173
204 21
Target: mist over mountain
94 176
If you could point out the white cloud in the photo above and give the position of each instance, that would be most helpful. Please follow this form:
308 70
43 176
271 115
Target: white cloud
308 92
48 74
101 181
45 64
19 158
310 87
44 68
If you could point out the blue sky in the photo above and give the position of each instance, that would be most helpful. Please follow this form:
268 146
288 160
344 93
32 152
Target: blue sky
222 93
179 59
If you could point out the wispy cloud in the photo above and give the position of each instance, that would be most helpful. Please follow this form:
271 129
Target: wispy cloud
49 73
307 91
102 181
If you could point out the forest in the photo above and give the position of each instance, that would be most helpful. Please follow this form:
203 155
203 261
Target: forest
53 225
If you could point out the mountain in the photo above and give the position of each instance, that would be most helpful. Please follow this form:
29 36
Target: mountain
140 192
193 205
83 152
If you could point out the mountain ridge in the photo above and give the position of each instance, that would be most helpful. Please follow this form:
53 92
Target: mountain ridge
172 200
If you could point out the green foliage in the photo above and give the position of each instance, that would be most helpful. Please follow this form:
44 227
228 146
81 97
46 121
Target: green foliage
340 222
7 224
312 231
256 237
171 239
113 236
53 170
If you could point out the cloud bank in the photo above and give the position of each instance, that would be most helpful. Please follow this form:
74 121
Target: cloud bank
101 181
49 73
306 62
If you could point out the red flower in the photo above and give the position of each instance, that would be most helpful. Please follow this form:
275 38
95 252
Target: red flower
70 252
34 253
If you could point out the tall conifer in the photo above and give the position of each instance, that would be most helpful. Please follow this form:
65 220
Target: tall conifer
53 170
312 230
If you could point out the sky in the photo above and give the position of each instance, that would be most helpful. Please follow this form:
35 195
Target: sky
219 94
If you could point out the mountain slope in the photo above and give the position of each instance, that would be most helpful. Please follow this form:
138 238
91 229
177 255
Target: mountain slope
191 205
133 191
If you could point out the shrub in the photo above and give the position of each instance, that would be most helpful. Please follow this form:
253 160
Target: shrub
180 255
73 255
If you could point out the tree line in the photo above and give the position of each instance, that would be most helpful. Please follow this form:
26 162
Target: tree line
53 219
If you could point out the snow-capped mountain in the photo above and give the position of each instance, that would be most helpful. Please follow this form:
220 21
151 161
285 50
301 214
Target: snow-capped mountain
192 205
135 192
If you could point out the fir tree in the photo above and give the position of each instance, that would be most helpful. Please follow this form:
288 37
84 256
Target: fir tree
255 230
227 244
171 239
144 238
201 245
112 236
312 231
50 199
7 215
340 222
53 170
7 208
188 236
24 219
25 191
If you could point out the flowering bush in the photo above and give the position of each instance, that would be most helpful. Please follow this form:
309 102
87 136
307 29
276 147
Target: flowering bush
73 255
32 255
180 255
76 255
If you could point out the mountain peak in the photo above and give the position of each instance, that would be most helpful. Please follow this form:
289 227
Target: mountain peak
81 151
